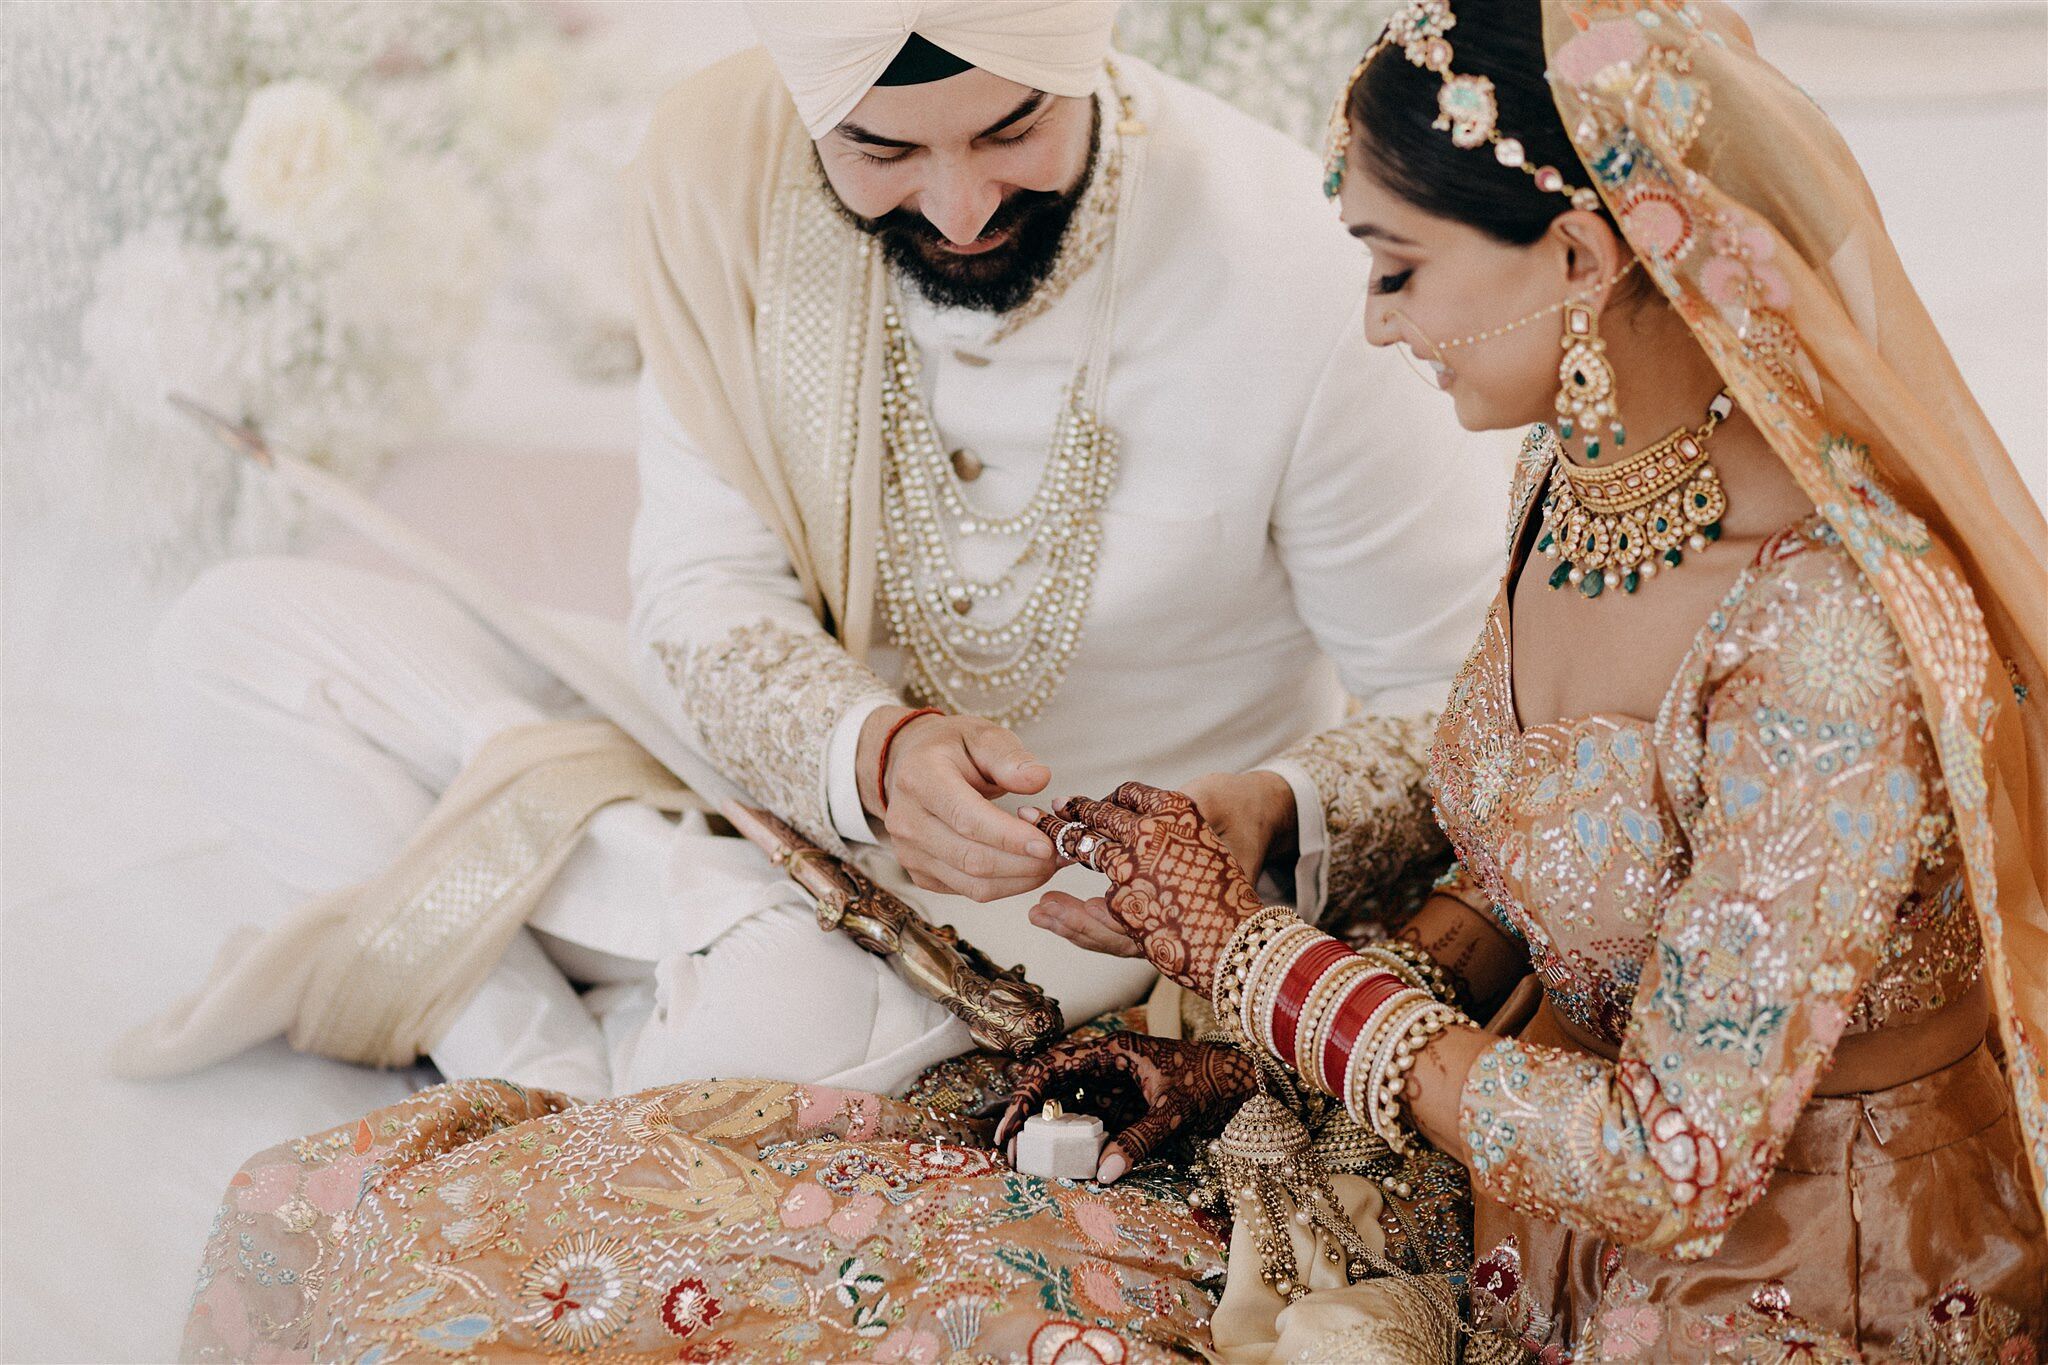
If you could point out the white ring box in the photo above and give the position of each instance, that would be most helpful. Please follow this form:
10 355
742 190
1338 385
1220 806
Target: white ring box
1060 1146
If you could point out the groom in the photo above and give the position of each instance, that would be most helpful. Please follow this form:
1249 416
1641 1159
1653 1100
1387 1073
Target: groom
1006 414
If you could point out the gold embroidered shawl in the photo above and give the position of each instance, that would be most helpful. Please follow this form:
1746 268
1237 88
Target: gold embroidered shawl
1748 210
759 312
375 973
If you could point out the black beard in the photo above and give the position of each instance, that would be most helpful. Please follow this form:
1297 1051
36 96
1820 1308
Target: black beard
994 281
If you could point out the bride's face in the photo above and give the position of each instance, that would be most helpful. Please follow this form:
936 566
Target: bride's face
1437 284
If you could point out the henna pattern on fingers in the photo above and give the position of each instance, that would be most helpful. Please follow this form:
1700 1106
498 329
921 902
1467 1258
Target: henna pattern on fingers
1146 1090
1173 885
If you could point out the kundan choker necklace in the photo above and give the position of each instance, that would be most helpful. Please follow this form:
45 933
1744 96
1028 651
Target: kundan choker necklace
1614 526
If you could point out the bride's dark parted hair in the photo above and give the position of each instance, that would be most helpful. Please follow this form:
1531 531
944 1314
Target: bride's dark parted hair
1394 103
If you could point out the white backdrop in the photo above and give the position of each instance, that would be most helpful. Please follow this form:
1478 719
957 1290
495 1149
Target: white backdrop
116 891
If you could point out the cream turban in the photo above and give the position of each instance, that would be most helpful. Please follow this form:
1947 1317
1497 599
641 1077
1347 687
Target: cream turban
831 52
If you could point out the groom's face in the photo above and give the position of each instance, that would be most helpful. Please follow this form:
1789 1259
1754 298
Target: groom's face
967 182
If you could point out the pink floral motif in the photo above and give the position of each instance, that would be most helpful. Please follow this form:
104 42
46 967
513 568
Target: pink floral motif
804 1206
1743 265
1602 54
1629 1330
334 1188
1656 221
857 1219
910 1346
265 1189
1101 1286
1097 1223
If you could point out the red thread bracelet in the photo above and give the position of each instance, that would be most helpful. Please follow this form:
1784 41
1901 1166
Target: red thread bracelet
882 759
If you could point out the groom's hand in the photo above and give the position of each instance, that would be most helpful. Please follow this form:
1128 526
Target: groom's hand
947 833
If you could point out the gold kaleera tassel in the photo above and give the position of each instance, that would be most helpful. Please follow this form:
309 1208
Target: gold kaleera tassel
1266 1162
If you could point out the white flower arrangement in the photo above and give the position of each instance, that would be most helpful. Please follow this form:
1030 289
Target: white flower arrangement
302 170
1280 61
296 211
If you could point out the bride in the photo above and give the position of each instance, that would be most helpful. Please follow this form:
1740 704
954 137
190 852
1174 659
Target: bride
1746 788
1743 767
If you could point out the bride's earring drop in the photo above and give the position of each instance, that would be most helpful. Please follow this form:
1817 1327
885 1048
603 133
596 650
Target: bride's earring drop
1585 396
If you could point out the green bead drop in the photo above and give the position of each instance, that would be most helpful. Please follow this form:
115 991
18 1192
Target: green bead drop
1674 557
1560 575
1564 429
1593 584
1545 543
1632 581
1712 530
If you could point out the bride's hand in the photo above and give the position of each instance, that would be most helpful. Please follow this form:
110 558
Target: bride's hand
1174 886
1252 813
1144 1089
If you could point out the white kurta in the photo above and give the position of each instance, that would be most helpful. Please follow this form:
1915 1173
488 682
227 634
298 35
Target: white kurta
1296 517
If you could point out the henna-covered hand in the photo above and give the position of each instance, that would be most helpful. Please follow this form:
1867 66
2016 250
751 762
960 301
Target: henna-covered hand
1252 813
1174 885
1144 1089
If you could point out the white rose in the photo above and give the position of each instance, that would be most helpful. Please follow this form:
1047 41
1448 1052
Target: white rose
426 271
510 103
302 169
154 325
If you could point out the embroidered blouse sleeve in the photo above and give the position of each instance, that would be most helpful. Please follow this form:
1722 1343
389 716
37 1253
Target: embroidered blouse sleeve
722 642
1363 782
1803 771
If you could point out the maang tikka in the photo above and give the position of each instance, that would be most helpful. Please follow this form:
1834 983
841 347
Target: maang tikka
1585 395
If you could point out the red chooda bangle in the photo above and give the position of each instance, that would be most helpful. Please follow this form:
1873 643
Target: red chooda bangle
1296 987
882 759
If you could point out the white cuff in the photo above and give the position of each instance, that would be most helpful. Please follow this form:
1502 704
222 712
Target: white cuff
1312 839
842 773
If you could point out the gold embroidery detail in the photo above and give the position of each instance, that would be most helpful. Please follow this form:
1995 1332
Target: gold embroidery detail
764 701
1384 844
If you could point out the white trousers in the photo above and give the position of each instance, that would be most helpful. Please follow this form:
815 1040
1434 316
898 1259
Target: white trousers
320 710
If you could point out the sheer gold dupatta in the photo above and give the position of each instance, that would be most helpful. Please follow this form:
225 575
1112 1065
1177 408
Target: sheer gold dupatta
1744 205
758 310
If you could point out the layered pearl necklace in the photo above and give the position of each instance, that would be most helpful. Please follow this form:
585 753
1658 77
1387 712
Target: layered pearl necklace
1008 669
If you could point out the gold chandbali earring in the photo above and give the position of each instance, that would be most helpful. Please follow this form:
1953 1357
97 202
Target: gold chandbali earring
1585 395
1615 526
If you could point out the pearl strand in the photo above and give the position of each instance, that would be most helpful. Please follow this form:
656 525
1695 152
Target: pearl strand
1008 670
